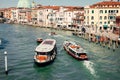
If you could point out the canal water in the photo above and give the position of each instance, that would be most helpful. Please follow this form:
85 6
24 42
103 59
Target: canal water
20 42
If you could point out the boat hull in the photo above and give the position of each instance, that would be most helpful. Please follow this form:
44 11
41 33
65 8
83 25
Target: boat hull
71 54
44 63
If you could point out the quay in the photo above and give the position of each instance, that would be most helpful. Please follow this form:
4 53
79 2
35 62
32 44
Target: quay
103 37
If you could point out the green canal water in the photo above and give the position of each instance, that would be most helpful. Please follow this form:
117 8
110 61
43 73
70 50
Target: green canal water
20 42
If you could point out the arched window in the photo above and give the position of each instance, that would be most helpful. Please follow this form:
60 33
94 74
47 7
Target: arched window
92 17
101 11
100 17
105 17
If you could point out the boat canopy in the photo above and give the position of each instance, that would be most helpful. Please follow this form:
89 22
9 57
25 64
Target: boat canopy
46 46
48 42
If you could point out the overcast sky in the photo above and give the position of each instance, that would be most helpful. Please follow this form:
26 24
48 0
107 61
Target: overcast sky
13 3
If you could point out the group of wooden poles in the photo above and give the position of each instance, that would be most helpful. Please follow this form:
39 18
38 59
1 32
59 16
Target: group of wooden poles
102 40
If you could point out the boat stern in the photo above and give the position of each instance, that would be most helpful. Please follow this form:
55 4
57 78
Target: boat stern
83 56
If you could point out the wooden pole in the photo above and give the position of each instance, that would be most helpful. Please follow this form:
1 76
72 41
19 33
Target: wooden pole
109 44
113 45
0 41
117 43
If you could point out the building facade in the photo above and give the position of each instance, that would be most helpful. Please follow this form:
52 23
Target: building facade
102 14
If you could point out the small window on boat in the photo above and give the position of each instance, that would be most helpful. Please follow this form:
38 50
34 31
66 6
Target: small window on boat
48 42
82 54
41 53
72 51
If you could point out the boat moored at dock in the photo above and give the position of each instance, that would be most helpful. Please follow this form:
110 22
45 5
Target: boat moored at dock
75 50
45 52
39 40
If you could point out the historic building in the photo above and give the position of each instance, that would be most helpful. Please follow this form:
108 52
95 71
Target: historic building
117 29
1 13
69 17
102 14
34 16
24 15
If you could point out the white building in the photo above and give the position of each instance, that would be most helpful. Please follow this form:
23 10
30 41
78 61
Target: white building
74 17
47 16
14 15
67 17
102 14
60 17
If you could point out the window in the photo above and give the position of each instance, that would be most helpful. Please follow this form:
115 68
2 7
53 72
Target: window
85 11
101 11
40 13
105 22
116 11
100 17
111 17
112 11
92 11
88 11
105 11
105 17
92 23
100 22
87 17
60 19
92 17
87 22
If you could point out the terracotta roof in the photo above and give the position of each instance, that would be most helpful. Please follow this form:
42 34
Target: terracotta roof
2 9
105 4
51 7
74 8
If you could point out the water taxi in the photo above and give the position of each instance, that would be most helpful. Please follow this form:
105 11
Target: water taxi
45 52
75 50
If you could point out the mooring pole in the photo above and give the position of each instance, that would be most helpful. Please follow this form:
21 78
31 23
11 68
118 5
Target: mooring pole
0 41
6 68
113 45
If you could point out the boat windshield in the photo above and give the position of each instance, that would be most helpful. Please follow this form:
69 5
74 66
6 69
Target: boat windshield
48 42
41 53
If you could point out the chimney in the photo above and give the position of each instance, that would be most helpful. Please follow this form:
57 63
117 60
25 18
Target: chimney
118 0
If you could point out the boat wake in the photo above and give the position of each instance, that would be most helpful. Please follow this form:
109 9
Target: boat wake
89 66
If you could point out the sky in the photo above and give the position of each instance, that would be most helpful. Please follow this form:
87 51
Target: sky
13 3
